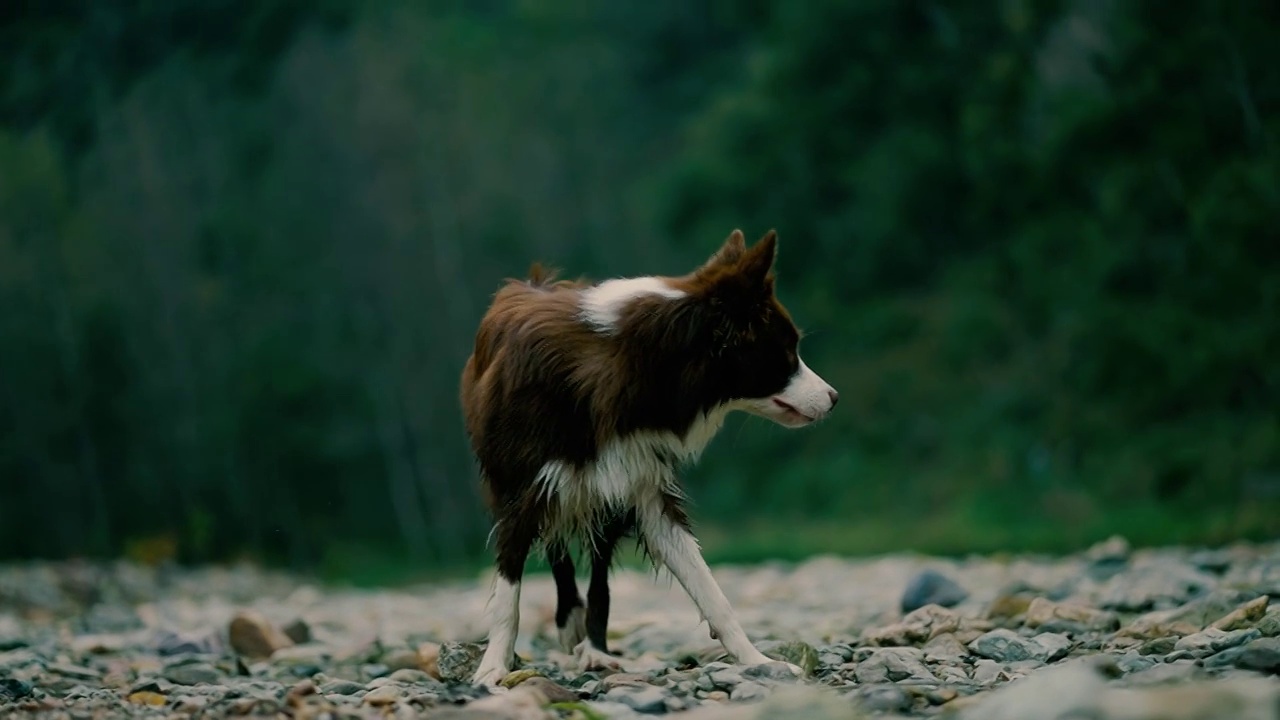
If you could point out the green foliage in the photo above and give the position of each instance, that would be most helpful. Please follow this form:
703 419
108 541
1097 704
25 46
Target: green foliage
243 247
999 227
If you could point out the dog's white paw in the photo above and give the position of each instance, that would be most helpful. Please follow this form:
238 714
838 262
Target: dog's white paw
588 657
755 657
574 630
489 676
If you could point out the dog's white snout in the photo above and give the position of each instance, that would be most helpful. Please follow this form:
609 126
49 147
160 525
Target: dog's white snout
809 394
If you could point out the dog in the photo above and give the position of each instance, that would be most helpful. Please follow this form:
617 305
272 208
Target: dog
582 401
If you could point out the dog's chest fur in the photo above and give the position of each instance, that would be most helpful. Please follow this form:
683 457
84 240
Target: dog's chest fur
629 471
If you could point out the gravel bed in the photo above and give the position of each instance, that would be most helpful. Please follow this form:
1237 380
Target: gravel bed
1109 633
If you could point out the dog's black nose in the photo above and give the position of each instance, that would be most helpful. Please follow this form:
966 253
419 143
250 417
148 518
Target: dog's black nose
835 397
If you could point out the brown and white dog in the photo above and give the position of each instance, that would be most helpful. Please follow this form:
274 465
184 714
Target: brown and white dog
581 403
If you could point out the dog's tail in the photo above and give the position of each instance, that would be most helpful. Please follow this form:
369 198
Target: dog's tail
541 276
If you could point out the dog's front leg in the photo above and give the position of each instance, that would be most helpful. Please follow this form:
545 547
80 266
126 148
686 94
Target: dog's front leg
671 543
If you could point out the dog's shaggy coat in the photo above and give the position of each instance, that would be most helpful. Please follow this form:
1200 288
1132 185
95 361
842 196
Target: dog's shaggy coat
581 402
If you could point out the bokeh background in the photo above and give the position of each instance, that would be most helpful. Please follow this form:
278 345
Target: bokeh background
244 245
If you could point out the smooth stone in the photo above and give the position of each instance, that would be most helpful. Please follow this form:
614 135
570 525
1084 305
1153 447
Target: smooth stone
1004 645
987 671
253 636
930 587
411 675
1211 641
1262 654
945 648
1055 646
384 695
726 678
1132 662
893 665
881 698
1073 618
749 691
193 674
776 671
641 699
341 687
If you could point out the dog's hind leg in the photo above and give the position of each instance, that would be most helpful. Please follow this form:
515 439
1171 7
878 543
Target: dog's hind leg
593 654
598 591
571 615
515 536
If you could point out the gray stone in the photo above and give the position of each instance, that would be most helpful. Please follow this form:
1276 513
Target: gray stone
930 587
1208 642
987 672
893 665
1132 662
843 651
458 661
945 648
14 689
726 678
1262 654
1006 646
641 699
775 671
1158 585
192 674
341 687
412 675
1166 672
1055 646
749 691
830 660
881 698
1269 625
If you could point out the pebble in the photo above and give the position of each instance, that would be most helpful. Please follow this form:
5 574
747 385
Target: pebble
1262 654
1004 645
192 674
749 691
931 587
641 699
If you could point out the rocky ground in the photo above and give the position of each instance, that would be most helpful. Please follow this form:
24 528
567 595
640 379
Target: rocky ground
1110 633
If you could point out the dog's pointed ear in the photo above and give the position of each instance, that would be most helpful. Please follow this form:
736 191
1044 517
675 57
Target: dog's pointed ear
729 253
757 262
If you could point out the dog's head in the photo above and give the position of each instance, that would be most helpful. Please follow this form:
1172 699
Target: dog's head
756 345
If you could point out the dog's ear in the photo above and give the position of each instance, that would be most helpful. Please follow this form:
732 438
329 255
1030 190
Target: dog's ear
756 263
730 253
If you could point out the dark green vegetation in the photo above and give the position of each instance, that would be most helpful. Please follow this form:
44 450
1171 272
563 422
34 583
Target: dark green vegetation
243 246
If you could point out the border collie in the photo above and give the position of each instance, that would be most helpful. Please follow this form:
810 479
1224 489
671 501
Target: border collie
582 401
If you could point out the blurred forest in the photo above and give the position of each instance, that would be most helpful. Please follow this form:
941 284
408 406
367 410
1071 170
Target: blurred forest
244 245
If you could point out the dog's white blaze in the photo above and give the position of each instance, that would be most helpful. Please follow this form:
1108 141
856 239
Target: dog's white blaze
808 393
678 550
603 304
503 614
627 471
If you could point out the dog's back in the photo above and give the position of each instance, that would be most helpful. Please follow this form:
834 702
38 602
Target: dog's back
514 352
